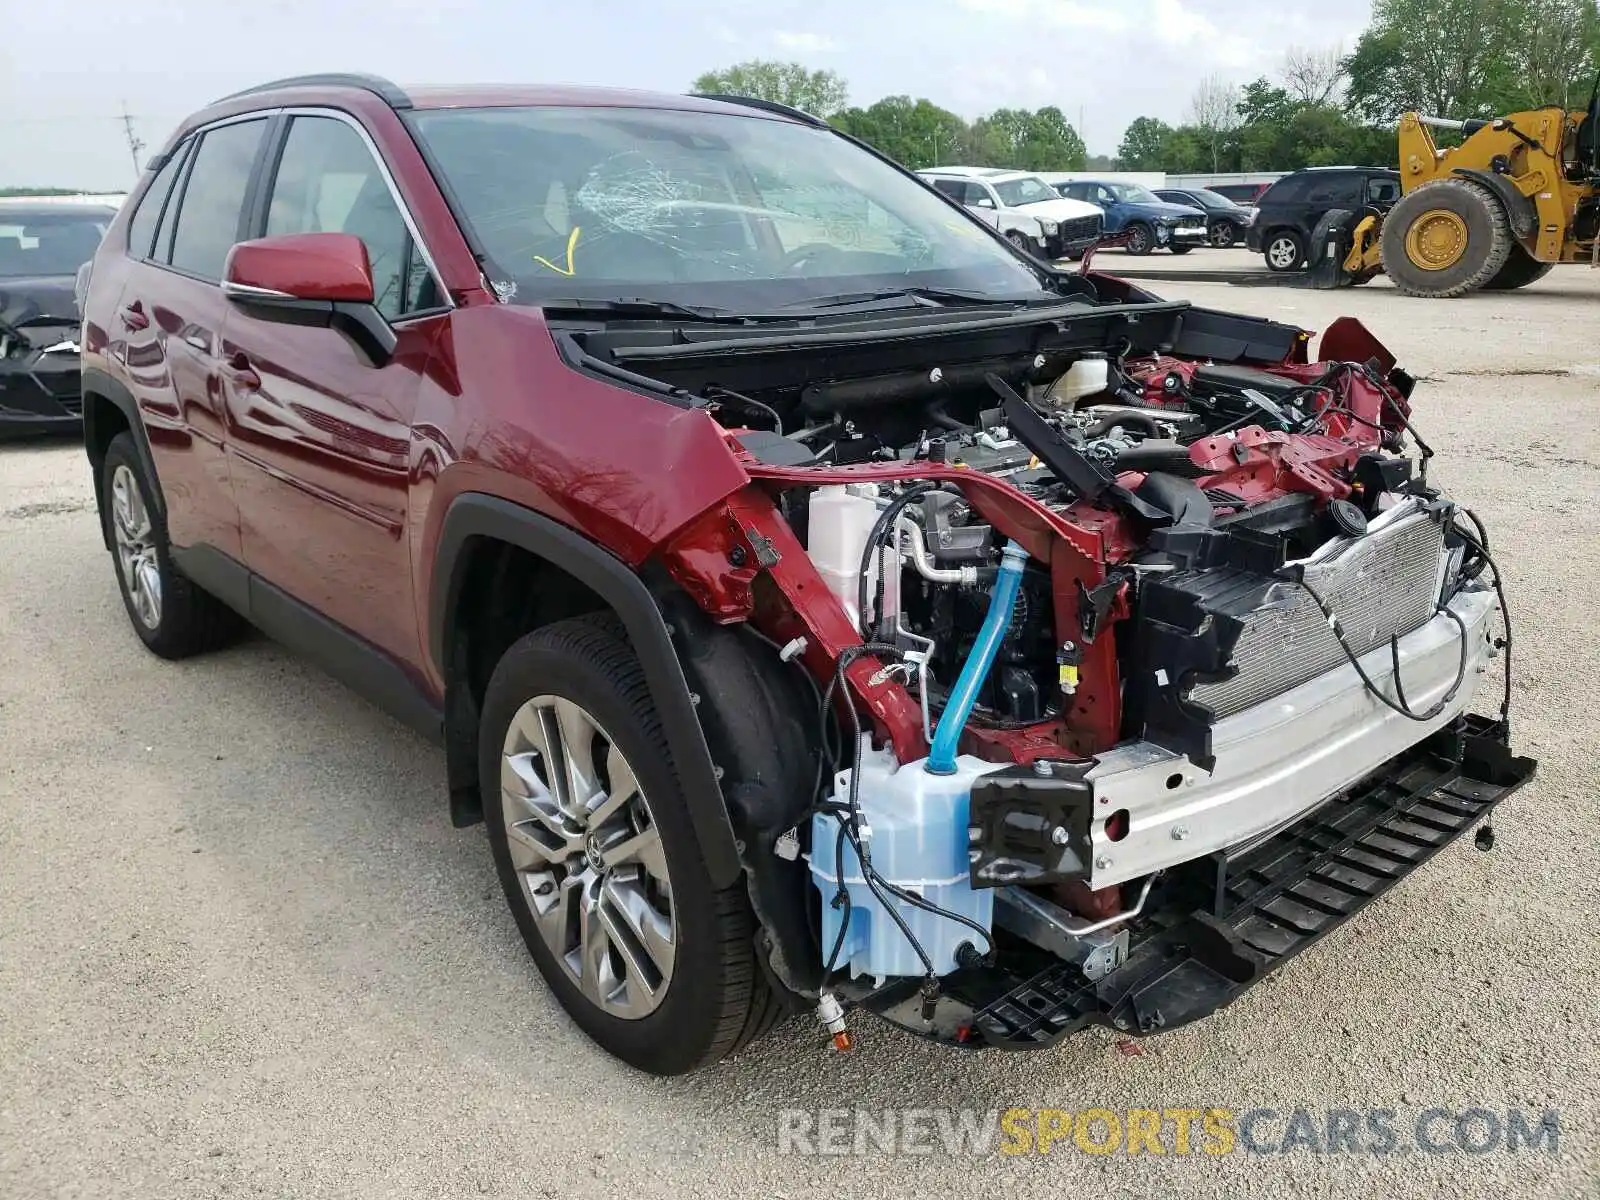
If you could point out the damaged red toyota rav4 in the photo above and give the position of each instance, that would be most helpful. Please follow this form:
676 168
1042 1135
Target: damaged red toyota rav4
825 605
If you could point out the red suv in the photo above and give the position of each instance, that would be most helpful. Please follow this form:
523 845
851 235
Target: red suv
826 604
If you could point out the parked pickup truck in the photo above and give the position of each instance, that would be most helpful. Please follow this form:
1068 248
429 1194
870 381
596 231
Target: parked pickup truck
1067 227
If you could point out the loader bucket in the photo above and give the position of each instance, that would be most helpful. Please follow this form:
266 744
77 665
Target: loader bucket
1330 245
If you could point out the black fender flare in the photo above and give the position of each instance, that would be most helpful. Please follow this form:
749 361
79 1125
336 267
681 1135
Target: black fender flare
1520 211
98 383
474 514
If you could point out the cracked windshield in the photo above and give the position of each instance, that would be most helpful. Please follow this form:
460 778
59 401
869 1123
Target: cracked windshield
700 208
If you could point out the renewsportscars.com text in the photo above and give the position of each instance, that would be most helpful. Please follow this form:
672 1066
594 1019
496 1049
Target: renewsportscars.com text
1166 1131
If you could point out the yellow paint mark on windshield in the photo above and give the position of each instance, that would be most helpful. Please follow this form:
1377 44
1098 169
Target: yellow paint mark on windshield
572 244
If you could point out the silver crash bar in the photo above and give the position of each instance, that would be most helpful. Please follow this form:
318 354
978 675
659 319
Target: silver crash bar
1284 756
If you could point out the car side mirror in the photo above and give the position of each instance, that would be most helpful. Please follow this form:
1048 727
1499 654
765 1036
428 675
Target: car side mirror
319 280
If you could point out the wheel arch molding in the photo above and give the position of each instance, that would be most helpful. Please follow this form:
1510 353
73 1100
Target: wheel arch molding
474 515
101 390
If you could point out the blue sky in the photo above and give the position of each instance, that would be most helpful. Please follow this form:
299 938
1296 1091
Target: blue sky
66 71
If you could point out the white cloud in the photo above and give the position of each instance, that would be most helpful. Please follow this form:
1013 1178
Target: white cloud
1176 24
1067 14
801 42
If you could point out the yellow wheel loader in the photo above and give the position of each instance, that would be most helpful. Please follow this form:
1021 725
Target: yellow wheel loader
1518 195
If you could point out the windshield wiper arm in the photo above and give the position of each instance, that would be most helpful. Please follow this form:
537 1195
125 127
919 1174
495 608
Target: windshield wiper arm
926 294
639 306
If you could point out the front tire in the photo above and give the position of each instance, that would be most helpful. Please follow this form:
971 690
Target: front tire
1223 235
1445 239
1180 249
592 839
1141 239
173 617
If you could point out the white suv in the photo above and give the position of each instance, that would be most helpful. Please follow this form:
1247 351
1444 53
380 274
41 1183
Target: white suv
1066 228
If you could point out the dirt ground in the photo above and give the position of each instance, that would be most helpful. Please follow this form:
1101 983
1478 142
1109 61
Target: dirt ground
242 952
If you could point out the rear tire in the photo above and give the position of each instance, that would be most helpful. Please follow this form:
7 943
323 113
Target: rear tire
1284 250
1445 239
1180 249
1520 270
173 617
676 985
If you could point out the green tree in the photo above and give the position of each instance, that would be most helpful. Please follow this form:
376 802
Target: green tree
1052 143
1030 141
1556 54
1187 151
821 93
916 133
1452 58
1144 145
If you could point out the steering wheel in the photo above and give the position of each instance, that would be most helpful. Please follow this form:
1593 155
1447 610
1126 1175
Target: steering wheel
803 253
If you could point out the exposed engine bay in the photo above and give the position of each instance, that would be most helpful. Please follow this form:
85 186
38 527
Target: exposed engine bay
1100 605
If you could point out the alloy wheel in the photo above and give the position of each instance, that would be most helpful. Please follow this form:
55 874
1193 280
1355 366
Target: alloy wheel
1283 253
136 549
588 855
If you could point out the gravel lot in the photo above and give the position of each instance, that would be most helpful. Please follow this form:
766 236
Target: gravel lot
242 952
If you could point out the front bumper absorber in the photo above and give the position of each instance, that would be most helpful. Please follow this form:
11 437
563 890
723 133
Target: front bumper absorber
1224 921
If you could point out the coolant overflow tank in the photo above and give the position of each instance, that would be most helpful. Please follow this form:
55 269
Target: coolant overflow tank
915 830
1089 376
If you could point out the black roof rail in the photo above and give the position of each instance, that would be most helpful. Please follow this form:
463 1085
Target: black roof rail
390 93
771 106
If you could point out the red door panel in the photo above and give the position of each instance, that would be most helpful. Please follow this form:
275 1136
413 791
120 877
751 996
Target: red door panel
321 449
170 327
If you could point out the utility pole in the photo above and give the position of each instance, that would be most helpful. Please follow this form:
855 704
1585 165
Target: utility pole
134 144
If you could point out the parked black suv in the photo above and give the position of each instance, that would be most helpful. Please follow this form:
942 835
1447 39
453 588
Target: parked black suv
1289 210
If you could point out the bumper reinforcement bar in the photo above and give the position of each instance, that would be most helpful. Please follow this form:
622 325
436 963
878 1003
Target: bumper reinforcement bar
1226 920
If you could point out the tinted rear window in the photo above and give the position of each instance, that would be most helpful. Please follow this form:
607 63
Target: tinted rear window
1238 192
142 229
1334 187
1287 190
208 219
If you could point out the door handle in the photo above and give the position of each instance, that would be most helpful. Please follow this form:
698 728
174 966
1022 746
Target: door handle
132 316
243 375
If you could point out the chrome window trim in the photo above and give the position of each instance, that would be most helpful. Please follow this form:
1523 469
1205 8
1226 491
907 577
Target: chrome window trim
180 190
447 301
229 288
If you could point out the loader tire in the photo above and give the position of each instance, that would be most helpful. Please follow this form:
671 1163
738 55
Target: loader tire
1520 270
1445 239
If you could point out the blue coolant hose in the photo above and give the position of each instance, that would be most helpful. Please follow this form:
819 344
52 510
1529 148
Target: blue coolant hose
1002 602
